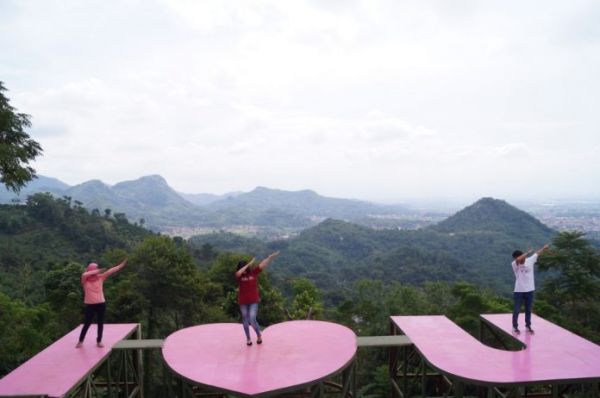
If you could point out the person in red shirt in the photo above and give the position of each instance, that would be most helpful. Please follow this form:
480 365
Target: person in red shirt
92 281
248 297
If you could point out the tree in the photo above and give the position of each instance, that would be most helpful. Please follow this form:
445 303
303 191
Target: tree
573 286
307 303
25 331
16 147
64 294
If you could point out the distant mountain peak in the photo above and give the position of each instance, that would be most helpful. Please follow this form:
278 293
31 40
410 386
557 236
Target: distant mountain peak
93 182
153 177
273 190
492 215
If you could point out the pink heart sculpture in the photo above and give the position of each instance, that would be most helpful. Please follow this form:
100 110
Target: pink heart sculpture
293 355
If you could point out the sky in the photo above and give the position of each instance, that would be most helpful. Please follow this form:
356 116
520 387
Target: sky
379 100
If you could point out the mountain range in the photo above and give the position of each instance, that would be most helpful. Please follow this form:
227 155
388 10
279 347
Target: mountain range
154 203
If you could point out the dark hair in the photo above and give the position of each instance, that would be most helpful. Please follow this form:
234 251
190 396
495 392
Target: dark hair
517 253
241 264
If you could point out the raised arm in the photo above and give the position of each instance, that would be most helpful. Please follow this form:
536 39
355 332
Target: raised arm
543 249
240 271
519 260
114 269
87 274
264 263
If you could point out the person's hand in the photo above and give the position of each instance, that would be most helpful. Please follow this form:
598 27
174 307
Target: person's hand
275 254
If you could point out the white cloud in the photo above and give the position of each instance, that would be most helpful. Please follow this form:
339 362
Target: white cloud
514 151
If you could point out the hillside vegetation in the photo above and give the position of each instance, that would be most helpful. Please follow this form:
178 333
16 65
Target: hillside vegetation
473 245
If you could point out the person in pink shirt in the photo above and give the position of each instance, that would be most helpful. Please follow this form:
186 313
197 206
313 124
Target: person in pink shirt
92 281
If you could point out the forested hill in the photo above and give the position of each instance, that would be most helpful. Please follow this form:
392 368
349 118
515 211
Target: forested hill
473 245
46 232
304 203
490 214
148 199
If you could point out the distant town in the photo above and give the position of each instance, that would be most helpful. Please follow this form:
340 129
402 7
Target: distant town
563 217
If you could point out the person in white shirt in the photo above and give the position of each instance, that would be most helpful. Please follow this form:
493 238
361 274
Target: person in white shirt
524 285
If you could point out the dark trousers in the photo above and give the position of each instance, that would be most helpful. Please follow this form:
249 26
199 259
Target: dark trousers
522 297
90 310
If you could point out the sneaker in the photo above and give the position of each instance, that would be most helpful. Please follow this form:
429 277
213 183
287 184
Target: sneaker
99 344
248 342
516 330
79 344
259 340
529 329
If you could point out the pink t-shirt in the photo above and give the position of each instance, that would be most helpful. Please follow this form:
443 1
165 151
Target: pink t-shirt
93 292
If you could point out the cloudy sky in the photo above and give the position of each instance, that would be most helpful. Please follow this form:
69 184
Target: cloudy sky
378 100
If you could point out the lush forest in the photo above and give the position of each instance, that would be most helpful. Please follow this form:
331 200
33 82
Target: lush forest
335 271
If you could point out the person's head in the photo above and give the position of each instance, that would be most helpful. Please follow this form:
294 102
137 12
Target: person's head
92 266
241 264
516 254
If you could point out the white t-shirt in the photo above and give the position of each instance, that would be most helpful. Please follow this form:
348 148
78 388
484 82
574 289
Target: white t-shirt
524 281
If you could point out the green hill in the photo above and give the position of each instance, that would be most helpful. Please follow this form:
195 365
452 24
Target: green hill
304 203
46 231
472 245
488 214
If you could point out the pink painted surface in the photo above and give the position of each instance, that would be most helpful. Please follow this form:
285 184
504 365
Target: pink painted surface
551 354
60 366
292 354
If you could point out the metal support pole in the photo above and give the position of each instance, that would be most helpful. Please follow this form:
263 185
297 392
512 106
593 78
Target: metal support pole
348 378
405 370
555 390
459 388
595 390
318 390
126 380
393 360
423 378
140 363
109 377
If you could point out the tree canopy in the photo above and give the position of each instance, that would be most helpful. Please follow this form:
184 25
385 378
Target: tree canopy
16 147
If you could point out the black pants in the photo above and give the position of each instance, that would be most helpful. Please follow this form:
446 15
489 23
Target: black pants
90 310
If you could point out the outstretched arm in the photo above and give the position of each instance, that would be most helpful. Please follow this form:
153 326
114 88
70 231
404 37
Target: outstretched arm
240 271
264 263
543 249
114 269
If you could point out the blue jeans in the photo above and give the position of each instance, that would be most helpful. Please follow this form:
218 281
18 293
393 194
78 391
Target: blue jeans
520 297
249 312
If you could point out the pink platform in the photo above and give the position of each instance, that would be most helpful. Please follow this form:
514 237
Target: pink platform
552 354
60 367
293 354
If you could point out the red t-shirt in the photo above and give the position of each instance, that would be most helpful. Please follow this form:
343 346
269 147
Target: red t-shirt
248 282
